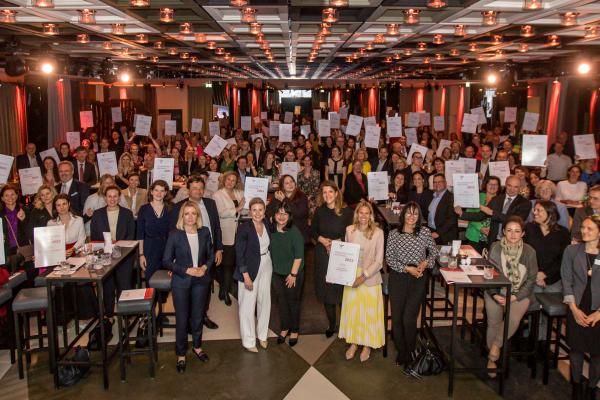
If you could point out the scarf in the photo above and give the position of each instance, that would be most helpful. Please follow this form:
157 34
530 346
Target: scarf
512 254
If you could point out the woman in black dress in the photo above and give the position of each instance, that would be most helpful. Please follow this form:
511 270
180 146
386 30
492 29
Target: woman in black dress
289 193
420 194
580 272
355 188
329 223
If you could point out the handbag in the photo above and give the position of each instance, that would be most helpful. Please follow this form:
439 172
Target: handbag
428 361
141 337
24 251
68 375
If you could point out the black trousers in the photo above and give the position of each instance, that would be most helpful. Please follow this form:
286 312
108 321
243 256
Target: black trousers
288 301
213 275
407 293
189 306
225 271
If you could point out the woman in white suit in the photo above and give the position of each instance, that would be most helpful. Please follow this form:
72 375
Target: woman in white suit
230 202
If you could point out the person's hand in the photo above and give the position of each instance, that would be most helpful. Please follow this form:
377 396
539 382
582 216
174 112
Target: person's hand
279 195
458 210
21 215
513 298
89 212
414 271
143 262
485 230
593 318
218 257
422 266
248 284
540 279
392 195
290 281
486 210
170 273
70 252
359 281
500 299
580 316
435 235
242 202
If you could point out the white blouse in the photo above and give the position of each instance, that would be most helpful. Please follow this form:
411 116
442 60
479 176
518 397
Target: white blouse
194 247
571 191
74 230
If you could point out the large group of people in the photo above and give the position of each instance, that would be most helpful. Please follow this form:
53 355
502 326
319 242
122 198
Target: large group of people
541 227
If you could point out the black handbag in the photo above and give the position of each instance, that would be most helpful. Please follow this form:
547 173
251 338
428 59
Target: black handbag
68 375
141 337
428 361
94 336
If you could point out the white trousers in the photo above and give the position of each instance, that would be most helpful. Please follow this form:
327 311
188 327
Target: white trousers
258 298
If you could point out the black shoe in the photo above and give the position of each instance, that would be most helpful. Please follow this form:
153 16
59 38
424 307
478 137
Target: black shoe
329 332
202 356
210 324
227 300
293 341
180 366
162 320
400 360
281 339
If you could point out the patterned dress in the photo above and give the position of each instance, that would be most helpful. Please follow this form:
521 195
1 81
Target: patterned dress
310 187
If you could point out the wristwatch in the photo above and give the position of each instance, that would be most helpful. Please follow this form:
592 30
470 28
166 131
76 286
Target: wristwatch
294 275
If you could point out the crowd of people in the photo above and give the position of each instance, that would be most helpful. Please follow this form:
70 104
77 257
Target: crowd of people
541 227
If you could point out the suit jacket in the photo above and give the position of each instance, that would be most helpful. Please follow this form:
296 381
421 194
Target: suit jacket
213 216
89 173
141 197
386 165
125 224
78 193
520 206
144 180
446 220
23 161
574 275
186 169
478 169
247 250
178 257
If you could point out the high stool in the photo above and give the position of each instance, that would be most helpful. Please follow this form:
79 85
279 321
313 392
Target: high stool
553 309
14 282
28 301
386 318
532 318
127 308
5 300
161 281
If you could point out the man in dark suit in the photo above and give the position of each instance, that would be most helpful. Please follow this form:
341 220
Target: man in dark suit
442 219
146 175
500 208
382 162
84 171
120 223
210 219
78 191
30 159
482 167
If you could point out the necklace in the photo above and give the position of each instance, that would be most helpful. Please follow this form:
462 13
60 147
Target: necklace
158 214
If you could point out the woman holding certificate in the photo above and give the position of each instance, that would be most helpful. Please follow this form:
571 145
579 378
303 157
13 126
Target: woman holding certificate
410 252
329 223
14 225
74 228
362 320
289 193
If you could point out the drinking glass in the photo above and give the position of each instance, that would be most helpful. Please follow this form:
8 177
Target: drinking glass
488 272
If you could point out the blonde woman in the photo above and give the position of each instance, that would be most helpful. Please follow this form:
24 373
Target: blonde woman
361 155
362 321
230 202
124 168
42 210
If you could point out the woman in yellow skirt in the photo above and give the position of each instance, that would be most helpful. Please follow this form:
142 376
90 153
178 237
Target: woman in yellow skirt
362 321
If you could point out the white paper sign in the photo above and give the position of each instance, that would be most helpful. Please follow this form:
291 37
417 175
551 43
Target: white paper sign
413 120
73 139
163 169
285 133
585 147
453 167
51 152
324 127
394 126
305 130
535 150
334 120
213 128
469 123
144 123
49 245
5 168
256 120
316 114
344 112
470 165
215 146
343 261
108 244
86 119
276 116
444 143
370 121
263 115
274 128
416 148
530 122
354 125
212 183
115 114
372 134
288 117
290 168
411 136
31 180
196 125
255 187
510 114
500 169
425 119
466 190
255 136
438 123
246 123
480 115
378 185
170 127
107 163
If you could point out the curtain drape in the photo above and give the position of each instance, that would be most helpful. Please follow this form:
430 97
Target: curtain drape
236 107
200 101
60 113
419 99
150 105
443 102
460 110
593 102
336 100
372 102
13 121
255 103
552 121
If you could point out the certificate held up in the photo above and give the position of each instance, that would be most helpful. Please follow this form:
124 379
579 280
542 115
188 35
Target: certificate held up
343 262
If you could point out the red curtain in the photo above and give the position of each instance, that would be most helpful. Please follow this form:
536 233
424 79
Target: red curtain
255 100
553 112
372 102
419 94
443 102
21 108
460 110
236 107
593 102
336 100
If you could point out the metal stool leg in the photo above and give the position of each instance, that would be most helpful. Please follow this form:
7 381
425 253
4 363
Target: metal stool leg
547 354
151 343
26 340
11 333
19 344
121 339
557 344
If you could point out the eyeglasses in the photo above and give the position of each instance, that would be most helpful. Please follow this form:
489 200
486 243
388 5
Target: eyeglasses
282 213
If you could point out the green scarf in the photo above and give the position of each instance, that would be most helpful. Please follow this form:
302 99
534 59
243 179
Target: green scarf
512 254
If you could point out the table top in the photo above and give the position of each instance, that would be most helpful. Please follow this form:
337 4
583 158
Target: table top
388 215
83 274
478 281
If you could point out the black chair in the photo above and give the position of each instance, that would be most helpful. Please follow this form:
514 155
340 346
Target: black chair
136 308
531 320
161 282
554 310
10 288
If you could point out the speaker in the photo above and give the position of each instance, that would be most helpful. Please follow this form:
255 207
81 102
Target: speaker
15 66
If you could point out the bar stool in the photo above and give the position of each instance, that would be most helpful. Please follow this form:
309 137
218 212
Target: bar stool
126 309
161 281
532 319
5 300
555 310
14 282
386 317
28 301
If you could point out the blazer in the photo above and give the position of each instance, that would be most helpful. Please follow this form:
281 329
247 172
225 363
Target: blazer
372 254
520 206
23 161
353 192
125 224
247 250
578 217
528 259
386 165
141 197
446 220
144 184
78 193
478 169
22 228
213 216
178 257
227 214
89 173
573 272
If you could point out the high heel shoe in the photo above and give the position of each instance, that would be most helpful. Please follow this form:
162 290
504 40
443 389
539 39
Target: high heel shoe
180 366
365 354
281 338
202 356
264 344
329 332
227 300
293 341
351 351
251 349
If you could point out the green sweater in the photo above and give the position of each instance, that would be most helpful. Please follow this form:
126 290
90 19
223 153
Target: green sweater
285 248
473 228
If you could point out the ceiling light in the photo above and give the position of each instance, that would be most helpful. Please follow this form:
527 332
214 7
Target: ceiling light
159 45
527 31
590 32
87 16
211 45
568 18
263 46
532 4
238 3
255 28
388 60
407 52
141 38
491 78
438 39
472 46
553 40
167 15
584 68
83 38
460 30
338 3
125 51
50 29
184 56
439 56
139 3
43 3
396 56
107 46
200 38
369 46
411 16
248 15
172 51
124 77
464 60
47 67
489 18
260 38
499 53
454 52
118 29
392 29
186 28
8 16
436 3
426 60
379 38
421 46
523 48
349 59
193 59
496 39
329 15
220 51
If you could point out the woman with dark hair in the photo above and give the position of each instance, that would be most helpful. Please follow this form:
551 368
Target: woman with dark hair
355 188
50 171
153 228
287 253
14 224
410 252
419 193
571 191
289 193
308 180
397 191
